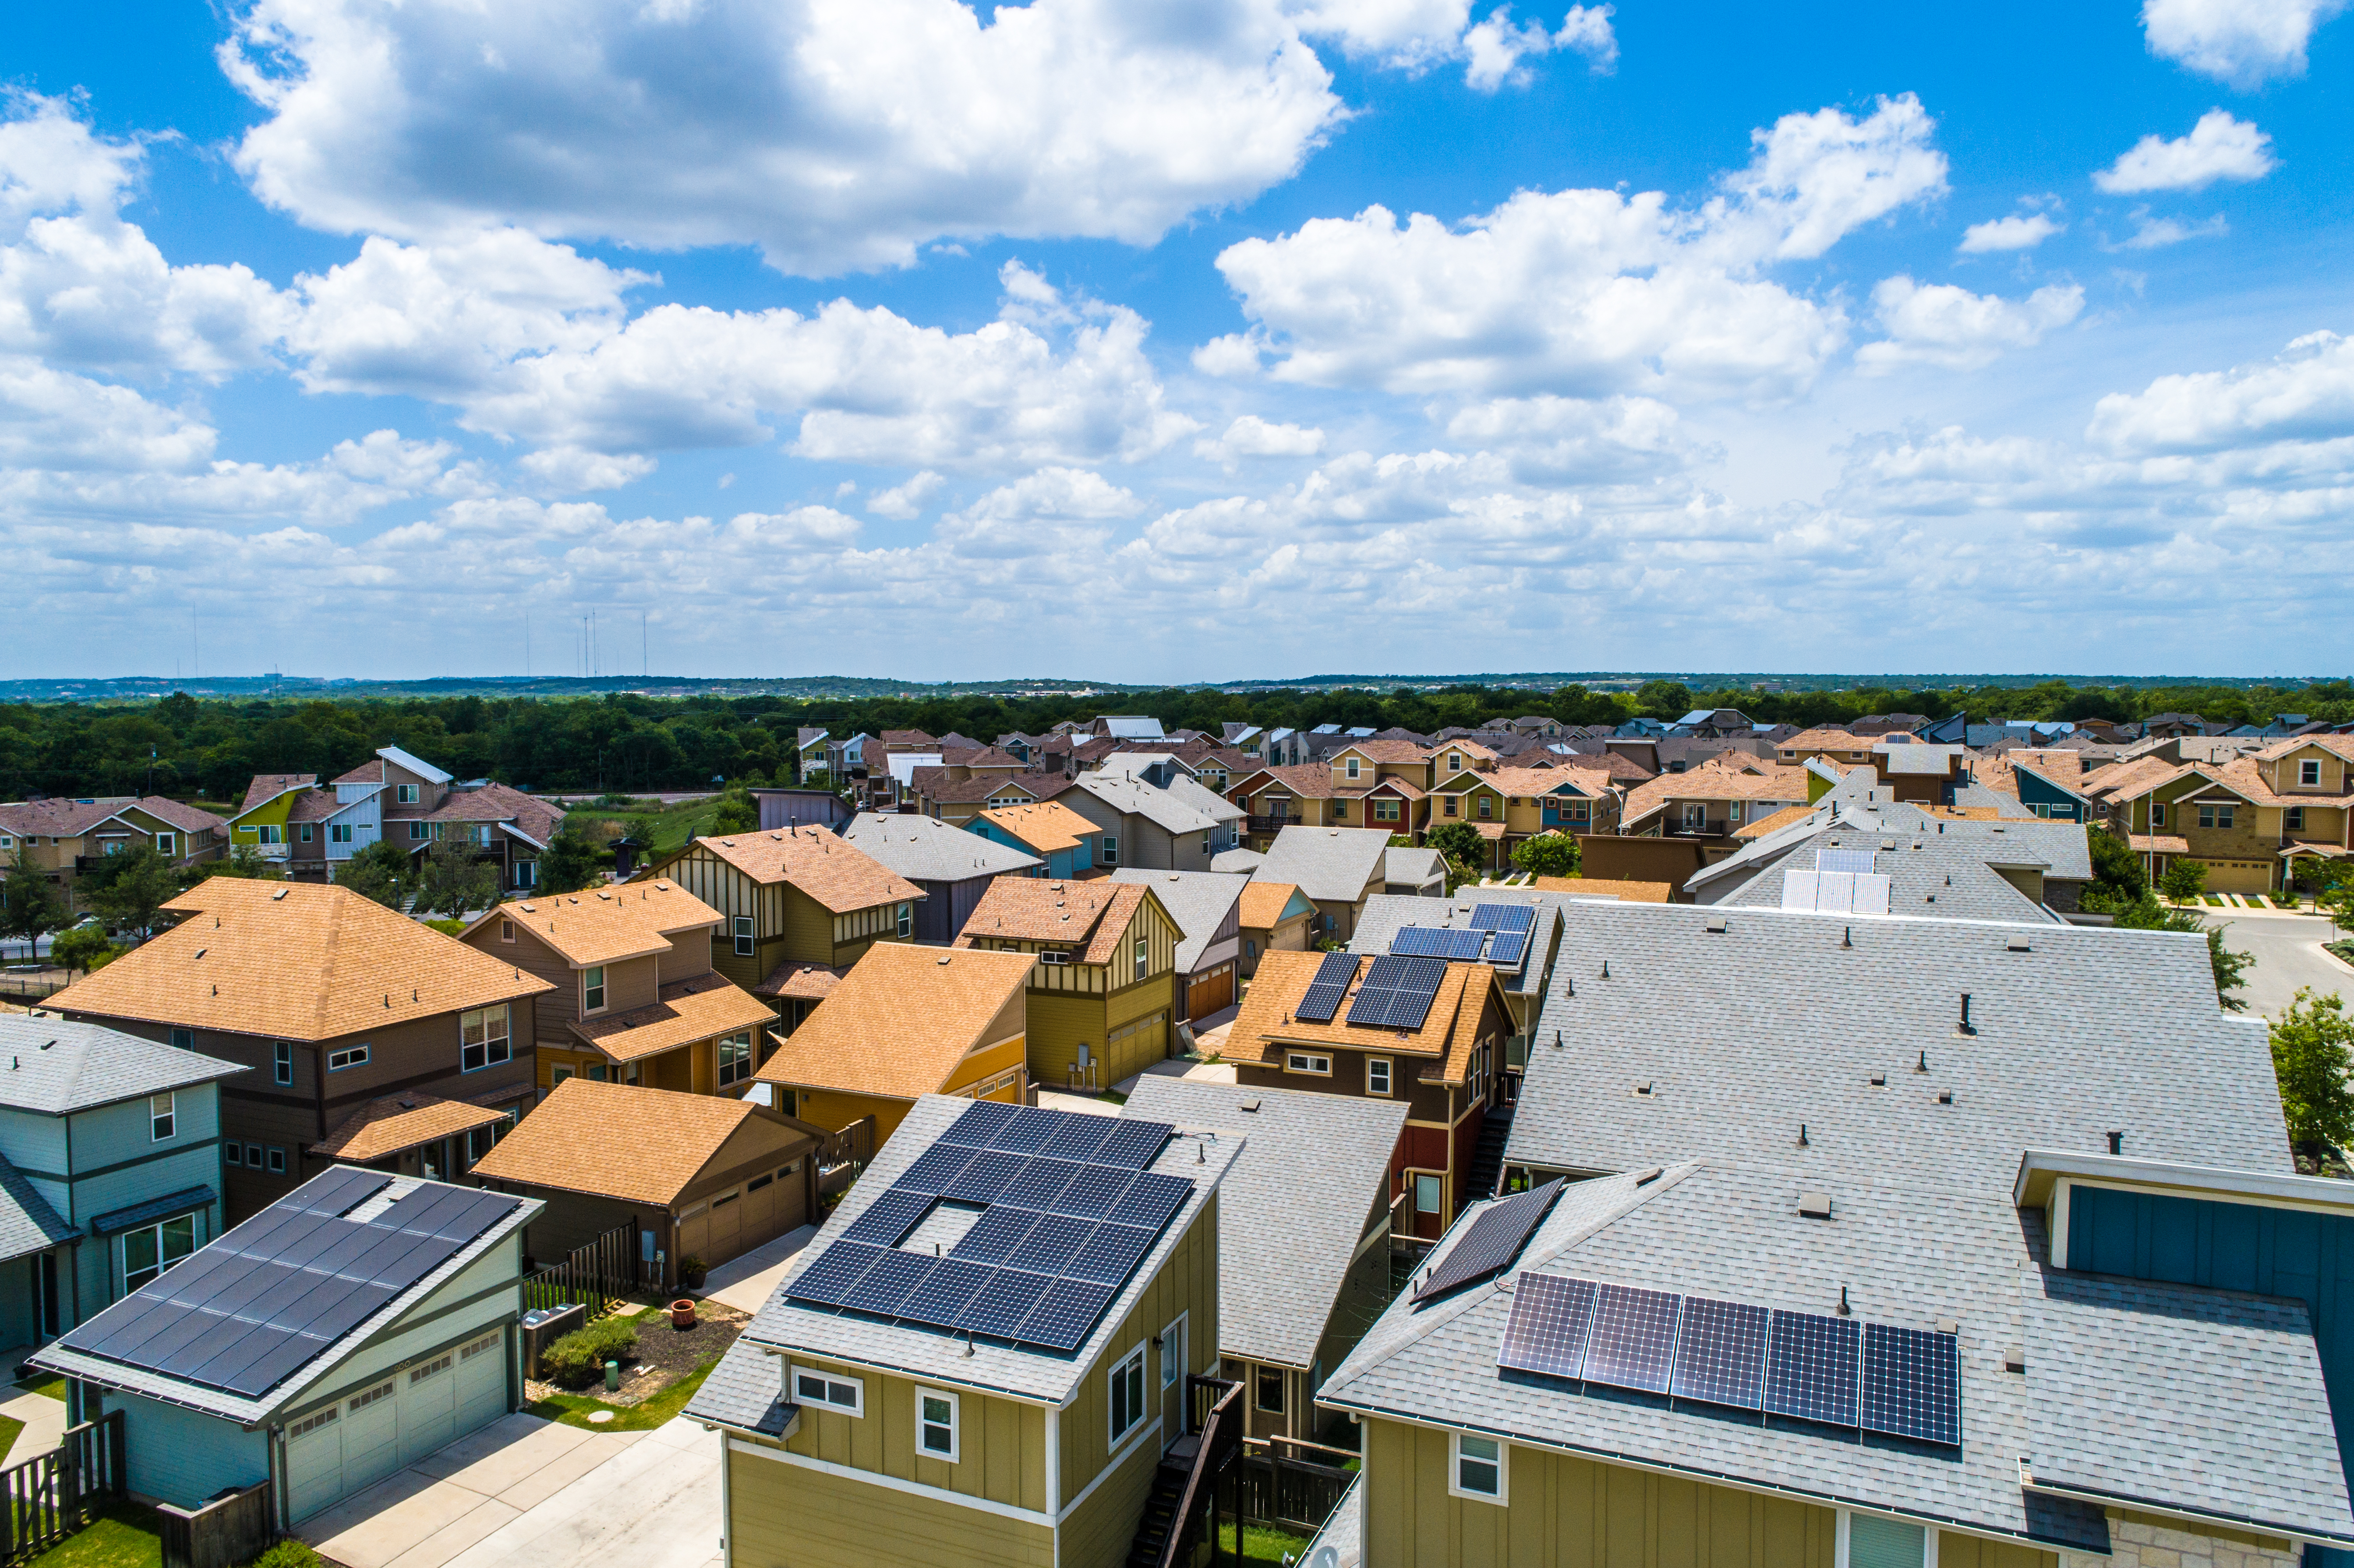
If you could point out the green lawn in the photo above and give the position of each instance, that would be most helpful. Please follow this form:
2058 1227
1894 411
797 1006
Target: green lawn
124 1536
1262 1543
9 1428
55 1387
574 1409
673 827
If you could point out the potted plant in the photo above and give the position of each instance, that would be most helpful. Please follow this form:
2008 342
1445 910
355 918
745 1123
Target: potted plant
690 1271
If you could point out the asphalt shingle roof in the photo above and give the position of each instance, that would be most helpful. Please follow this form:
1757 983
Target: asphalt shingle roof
1329 864
58 1066
1201 902
27 1224
924 849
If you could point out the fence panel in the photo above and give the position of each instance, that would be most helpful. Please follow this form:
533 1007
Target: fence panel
222 1533
597 1275
1293 1493
53 1495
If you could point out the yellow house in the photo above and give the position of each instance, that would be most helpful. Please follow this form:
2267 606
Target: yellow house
790 897
2248 822
1102 955
1508 804
907 1021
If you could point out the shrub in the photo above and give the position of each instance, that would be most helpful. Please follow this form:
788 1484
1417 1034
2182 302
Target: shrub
289 1554
2183 880
578 1358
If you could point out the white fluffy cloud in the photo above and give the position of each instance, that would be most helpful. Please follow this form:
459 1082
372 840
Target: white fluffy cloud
2242 42
2218 148
1557 440
1586 292
1496 47
2157 233
2023 231
1250 436
1940 325
902 503
2306 393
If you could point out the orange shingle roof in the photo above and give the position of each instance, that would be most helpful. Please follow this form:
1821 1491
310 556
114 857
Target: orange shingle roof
794 981
294 960
395 1122
1393 752
1535 780
837 874
686 1011
1262 903
1824 738
602 926
1047 826
1774 823
617 1140
901 1020
1605 888
1034 910
1450 1031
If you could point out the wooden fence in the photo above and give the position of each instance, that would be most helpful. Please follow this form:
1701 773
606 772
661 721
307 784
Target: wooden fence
597 1275
222 1533
50 1497
1275 1489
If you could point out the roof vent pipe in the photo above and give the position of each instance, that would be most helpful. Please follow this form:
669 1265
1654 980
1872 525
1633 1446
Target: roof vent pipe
1965 1027
1802 1135
2116 1143
1847 937
1924 1065
1844 1309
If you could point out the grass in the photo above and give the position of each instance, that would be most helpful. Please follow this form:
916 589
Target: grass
674 826
574 1409
1261 1543
55 1387
124 1535
9 1428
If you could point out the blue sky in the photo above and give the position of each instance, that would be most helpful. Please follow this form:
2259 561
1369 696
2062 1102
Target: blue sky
1176 341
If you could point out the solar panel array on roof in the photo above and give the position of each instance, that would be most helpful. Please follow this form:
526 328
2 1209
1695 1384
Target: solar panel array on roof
1322 998
1067 1211
1847 860
1503 918
1508 949
1492 1243
1436 942
1905 1382
1397 992
278 1291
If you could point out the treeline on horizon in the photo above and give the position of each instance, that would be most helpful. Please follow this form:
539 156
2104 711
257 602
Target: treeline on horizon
206 750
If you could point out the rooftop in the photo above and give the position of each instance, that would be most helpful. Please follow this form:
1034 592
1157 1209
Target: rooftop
684 1011
394 1122
1331 864
1089 916
901 1021
618 1141
841 876
1046 826
1200 902
604 926
924 849
56 1066
1263 902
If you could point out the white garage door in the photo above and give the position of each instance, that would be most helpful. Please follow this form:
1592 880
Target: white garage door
356 1442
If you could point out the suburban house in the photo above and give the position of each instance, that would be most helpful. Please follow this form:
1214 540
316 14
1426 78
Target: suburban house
2048 783
956 801
633 997
808 753
110 1168
802 808
1336 1023
60 838
489 823
2247 820
1508 804
1304 795
1067 844
952 866
332 1001
1840 747
316 1393
904 1023
1103 956
1713 800
1418 873
290 818
1338 868
1272 917
1207 908
791 897
998 1374
1141 824
1303 1236
695 1176
1512 930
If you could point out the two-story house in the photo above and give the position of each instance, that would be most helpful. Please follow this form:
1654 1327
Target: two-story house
940 795
792 898
1508 804
1066 844
632 996
1713 800
61 839
2247 820
110 1168
1337 868
1207 908
1103 953
1306 795
292 819
1140 823
333 1001
491 822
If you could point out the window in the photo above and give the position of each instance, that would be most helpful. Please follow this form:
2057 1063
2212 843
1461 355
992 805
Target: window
313 1423
1352 768
1385 811
1112 849
743 936
433 1368
506 930
349 1056
1868 1541
936 1424
481 834
1478 1468
596 1072
592 989
1250 948
151 1249
184 1039
1302 1061
481 1141
1127 1395
405 794
1733 811
360 1401
277 1161
1446 806
736 1059
482 1347
282 1062
1172 1355
2293 820
233 1154
306 833
339 832
168 843
2214 816
1377 1074
253 1157
2308 772
161 1116
2158 814
1453 762
1487 805
1053 956
418 831
1428 1194
1339 811
832 1390
483 1038
1267 1390
269 833
1143 957
906 919
558 1074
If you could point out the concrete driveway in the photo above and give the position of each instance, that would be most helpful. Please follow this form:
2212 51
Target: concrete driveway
746 1283
528 1490
2287 951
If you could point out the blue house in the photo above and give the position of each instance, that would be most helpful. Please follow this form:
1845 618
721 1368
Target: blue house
2046 797
110 1168
1065 842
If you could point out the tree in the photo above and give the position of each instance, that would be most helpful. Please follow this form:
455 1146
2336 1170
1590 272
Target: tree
2337 900
29 905
2118 876
242 861
2183 880
454 882
129 888
85 947
382 873
1547 854
571 861
2311 1061
739 813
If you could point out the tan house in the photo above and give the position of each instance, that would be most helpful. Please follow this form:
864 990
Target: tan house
335 1001
1103 954
941 794
1274 916
1299 795
2247 820
62 839
906 1022
634 997
1713 799
1508 804
790 897
696 1177
1834 746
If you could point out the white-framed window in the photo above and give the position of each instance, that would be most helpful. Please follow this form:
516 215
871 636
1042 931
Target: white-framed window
1478 1469
734 1059
168 843
233 1154
558 1074
269 833
339 832
1377 1074
1875 1541
1053 956
311 1423
151 1249
483 1040
283 1060
1307 1061
1453 762
405 794
936 1424
1430 1193
162 1116
6 842
306 833
506 930
1172 1353
829 1390
1352 768
1143 957
277 1157
592 989
1112 849
2215 816
253 1157
527 873
906 920
2308 772
1126 1401
349 1056
743 936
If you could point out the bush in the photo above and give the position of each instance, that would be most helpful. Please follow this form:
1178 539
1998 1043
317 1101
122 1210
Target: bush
289 1554
578 1358
83 947
1547 854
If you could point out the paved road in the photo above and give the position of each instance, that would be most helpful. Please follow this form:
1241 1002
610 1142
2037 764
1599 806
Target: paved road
2288 954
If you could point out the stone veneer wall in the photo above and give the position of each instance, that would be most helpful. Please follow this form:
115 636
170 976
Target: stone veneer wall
2137 1542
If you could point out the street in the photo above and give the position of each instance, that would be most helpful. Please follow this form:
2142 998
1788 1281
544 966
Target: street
2287 949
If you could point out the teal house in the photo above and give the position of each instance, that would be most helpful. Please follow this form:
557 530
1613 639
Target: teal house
1065 843
2047 797
110 1168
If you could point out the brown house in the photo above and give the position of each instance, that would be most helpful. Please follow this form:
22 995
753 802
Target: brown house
790 898
62 839
1446 1068
335 1001
701 1178
1274 916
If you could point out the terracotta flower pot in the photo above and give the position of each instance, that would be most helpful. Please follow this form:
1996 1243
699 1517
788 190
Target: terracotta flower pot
681 1314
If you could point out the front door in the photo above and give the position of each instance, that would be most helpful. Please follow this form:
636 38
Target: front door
1173 1368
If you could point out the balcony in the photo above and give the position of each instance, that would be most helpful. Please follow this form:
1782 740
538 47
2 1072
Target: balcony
1262 826
1715 827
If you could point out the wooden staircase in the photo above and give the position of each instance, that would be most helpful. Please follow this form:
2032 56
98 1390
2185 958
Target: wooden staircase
1488 1157
1185 1486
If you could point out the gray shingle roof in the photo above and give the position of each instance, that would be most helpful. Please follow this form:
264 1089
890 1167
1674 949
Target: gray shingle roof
56 1066
1201 902
1413 867
1247 861
1748 1032
27 1224
922 849
1127 794
745 1391
1329 864
1313 1173
1384 913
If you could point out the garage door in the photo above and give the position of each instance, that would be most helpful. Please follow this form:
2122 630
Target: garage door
356 1442
1210 992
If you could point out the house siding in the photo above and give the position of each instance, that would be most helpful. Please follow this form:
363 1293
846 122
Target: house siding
183 1457
780 1514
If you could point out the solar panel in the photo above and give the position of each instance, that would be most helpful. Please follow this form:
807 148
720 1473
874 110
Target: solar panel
889 1217
1721 1354
1080 1137
1133 1145
1550 1319
338 1190
892 1279
980 1122
1109 1255
1322 998
1843 860
1912 1385
990 1173
934 1169
1037 1187
1436 942
1051 1245
1811 1365
998 1309
1063 1316
951 1284
1509 948
1493 1240
830 1280
995 1235
1030 1128
1149 1200
1503 918
1093 1191
1633 1344
1397 991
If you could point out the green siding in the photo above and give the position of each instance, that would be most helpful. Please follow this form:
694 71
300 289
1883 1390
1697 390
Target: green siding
183 1457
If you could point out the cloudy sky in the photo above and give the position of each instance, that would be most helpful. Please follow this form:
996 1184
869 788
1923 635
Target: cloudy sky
1176 339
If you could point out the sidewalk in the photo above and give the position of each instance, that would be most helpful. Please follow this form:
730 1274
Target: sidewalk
45 1424
746 1283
